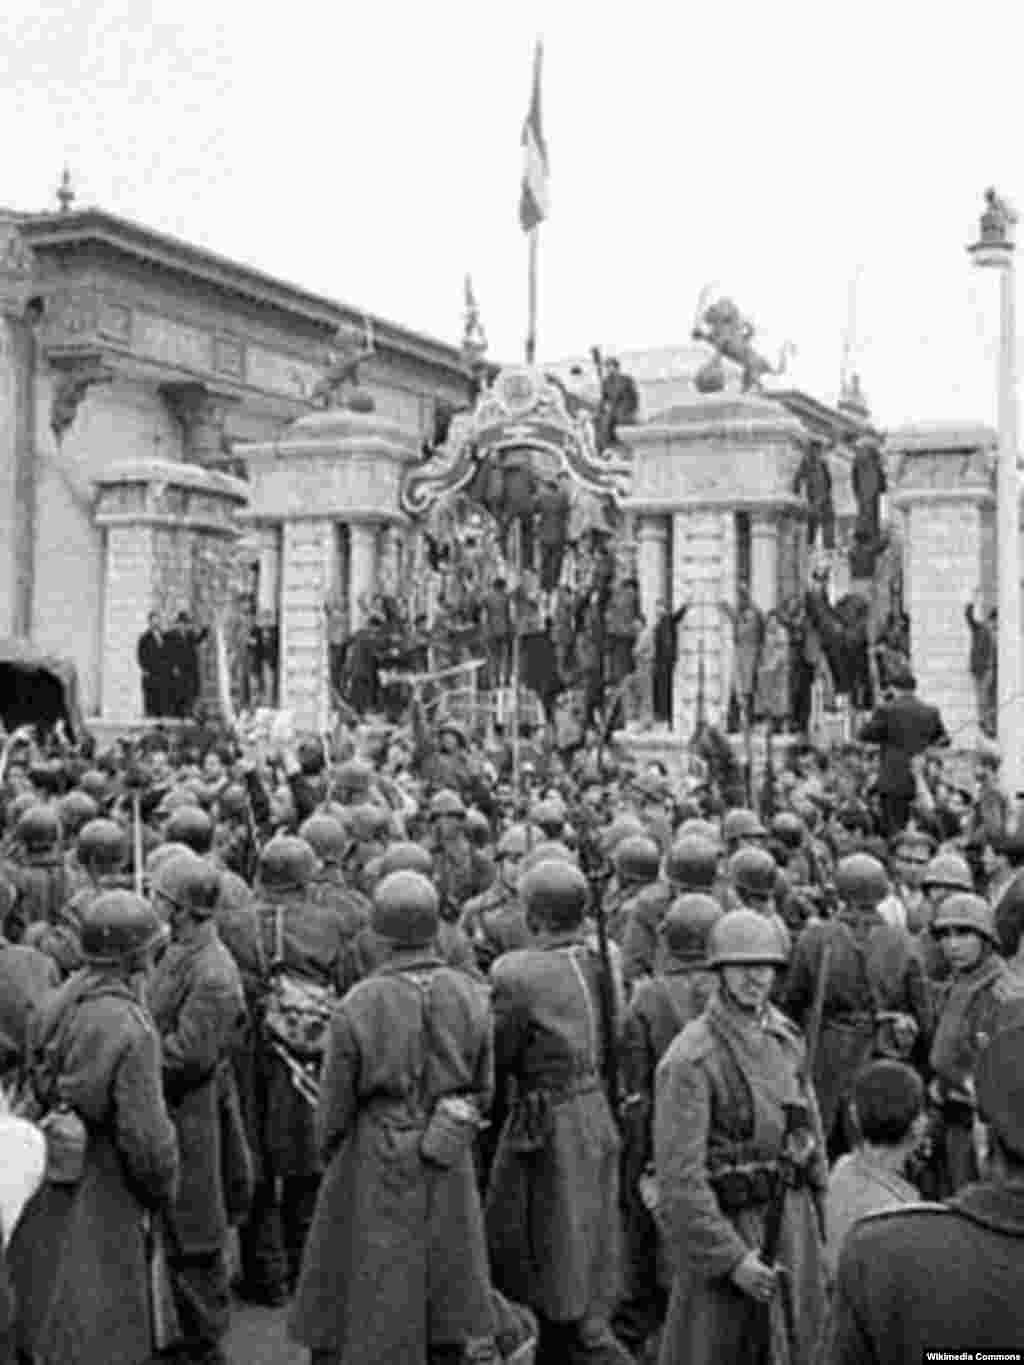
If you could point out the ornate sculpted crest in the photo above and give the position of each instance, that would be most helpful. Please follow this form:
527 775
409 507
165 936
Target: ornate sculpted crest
523 410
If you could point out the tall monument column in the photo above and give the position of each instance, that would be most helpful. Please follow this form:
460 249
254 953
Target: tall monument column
18 468
652 562
330 468
764 561
944 489
362 540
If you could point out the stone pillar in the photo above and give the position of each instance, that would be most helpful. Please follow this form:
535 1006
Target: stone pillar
652 563
306 573
331 469
17 434
945 492
152 512
269 581
764 561
362 569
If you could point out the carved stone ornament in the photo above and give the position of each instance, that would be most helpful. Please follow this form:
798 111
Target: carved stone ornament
202 416
73 378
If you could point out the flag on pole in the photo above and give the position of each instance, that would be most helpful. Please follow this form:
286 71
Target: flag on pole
533 198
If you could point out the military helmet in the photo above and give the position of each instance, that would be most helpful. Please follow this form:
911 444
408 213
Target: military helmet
191 826
548 851
637 859
452 727
754 872
406 857
102 845
741 823
405 909
352 778
478 828
189 882
117 926
38 829
446 802
325 836
160 855
688 923
620 828
861 880
76 809
700 829
514 843
788 829
16 809
95 784
963 910
548 815
743 937
233 802
554 892
948 871
368 823
286 864
692 863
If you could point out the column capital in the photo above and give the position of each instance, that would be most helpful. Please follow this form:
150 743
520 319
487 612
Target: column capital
652 527
202 413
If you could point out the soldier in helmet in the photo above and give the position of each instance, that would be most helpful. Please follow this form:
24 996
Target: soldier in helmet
368 827
690 866
102 850
967 1018
234 839
79 1259
733 1117
554 1183
931 1278
396 1265
494 921
37 872
637 863
328 840
876 1000
741 828
754 880
302 940
661 1006
945 875
75 811
198 1006
460 871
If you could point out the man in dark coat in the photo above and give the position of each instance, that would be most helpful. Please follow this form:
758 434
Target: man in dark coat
902 728
182 648
553 510
151 653
666 654
869 483
983 662
555 1179
198 1006
620 402
814 479
945 1277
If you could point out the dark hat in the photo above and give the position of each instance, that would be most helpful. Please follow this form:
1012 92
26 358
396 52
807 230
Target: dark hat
999 1086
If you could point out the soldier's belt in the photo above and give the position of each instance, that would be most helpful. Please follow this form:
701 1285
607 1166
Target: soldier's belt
753 1184
558 1089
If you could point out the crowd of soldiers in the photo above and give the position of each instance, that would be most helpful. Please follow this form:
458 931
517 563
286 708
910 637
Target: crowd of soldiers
597 1070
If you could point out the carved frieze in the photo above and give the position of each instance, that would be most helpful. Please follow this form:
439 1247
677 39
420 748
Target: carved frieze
229 357
172 343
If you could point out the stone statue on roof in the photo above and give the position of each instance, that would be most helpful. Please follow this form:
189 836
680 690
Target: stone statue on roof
997 220
721 324
341 378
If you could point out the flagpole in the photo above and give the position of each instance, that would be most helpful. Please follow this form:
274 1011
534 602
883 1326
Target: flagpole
531 329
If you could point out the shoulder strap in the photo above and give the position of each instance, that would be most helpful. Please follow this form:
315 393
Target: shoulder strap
593 1035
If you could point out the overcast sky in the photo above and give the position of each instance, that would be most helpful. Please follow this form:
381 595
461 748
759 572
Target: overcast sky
371 153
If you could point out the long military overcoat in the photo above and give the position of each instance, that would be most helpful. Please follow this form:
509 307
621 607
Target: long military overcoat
396 1259
198 1006
720 1093
553 1222
79 1254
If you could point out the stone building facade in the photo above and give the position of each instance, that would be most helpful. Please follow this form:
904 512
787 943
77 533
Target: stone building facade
131 366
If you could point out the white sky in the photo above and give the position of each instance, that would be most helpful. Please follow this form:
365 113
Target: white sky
372 154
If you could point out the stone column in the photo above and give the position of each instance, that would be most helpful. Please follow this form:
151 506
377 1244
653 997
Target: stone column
362 569
945 492
145 508
339 468
17 434
652 562
306 573
764 561
269 582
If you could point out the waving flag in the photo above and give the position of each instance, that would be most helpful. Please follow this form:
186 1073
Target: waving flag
533 198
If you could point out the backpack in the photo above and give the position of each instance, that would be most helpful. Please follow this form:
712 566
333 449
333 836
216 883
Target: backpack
297 1010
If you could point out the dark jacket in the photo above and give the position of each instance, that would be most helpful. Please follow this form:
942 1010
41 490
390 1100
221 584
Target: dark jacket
902 728
197 1003
396 1260
932 1277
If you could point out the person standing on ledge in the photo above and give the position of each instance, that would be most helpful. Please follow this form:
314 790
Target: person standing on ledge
151 654
902 728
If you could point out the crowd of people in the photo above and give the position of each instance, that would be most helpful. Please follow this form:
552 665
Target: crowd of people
605 1066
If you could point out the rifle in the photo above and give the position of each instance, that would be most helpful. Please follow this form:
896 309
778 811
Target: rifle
164 1321
598 877
797 1149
